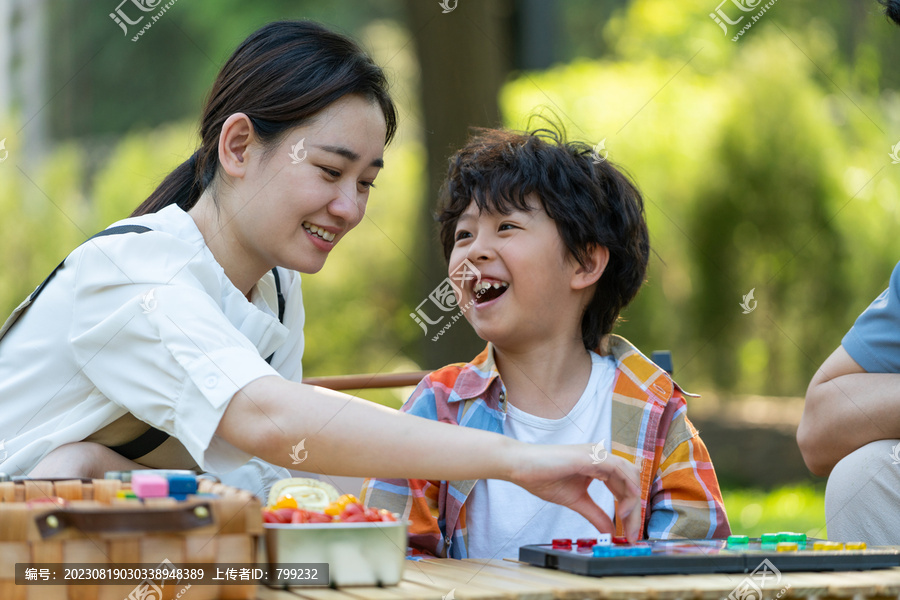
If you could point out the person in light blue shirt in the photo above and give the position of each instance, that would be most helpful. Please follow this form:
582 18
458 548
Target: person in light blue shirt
850 430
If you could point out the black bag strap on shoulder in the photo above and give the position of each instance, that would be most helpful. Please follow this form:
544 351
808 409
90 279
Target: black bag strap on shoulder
111 231
20 310
280 305
153 438
280 295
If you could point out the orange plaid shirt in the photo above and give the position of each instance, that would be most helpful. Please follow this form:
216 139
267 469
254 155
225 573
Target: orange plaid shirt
680 496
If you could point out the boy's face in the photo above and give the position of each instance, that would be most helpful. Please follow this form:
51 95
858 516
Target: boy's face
527 277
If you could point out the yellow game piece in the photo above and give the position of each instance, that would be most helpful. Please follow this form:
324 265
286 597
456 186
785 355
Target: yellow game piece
855 546
786 547
827 545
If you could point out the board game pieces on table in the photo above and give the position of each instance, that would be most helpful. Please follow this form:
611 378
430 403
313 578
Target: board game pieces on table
785 550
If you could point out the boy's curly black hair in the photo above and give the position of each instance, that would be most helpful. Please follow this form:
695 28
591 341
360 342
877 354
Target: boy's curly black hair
891 9
591 201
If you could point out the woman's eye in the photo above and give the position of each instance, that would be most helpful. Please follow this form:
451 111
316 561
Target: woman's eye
507 226
331 172
369 185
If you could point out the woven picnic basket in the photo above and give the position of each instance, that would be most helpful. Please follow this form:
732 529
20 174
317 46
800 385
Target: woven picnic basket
95 526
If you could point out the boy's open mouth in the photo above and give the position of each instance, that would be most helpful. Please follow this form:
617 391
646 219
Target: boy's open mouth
485 291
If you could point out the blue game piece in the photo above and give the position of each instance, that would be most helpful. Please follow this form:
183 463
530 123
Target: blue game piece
604 550
180 486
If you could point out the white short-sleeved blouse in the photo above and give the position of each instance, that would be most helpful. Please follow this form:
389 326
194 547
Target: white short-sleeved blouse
147 324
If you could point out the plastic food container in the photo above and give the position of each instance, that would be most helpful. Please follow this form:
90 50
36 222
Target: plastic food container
356 553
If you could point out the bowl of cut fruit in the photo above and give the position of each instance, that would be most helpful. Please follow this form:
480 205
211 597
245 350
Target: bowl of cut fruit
308 521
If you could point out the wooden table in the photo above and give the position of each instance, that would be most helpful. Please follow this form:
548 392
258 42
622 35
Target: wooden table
496 579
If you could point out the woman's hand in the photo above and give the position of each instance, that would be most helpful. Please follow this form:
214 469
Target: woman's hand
562 474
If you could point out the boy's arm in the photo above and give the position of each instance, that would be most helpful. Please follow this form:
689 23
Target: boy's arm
415 500
685 499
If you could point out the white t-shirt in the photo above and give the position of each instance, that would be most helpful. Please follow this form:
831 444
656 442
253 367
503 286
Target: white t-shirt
501 516
146 324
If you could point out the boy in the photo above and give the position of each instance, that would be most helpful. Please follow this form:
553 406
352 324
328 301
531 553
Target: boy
559 242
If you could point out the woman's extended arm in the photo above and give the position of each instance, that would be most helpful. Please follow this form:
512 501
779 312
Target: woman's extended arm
349 436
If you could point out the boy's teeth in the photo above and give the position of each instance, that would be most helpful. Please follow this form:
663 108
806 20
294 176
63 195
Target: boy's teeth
325 235
482 286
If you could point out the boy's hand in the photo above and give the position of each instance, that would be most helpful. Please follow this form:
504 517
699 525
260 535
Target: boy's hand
562 474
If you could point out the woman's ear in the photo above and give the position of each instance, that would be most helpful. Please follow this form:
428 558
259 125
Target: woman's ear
589 273
236 137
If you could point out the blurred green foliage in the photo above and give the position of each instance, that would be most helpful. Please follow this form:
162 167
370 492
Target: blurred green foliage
116 77
763 163
757 173
48 211
799 508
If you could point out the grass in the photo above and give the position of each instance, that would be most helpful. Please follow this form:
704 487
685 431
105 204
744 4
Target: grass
799 508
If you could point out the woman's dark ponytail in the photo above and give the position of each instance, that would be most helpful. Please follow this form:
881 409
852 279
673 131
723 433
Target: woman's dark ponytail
182 187
280 77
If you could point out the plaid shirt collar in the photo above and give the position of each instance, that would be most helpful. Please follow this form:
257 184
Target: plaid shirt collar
481 379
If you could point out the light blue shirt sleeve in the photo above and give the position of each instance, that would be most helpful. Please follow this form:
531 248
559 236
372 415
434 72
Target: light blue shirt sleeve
874 340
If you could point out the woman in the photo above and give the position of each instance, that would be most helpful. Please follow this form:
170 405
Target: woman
171 325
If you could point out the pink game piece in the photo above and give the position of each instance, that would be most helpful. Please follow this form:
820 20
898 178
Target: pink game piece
149 486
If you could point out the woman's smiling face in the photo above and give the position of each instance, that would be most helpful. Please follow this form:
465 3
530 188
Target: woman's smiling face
300 198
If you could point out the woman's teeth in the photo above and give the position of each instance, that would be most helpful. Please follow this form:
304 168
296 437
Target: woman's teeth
317 231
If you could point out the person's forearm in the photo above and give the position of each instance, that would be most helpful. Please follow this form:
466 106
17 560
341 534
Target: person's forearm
846 413
349 436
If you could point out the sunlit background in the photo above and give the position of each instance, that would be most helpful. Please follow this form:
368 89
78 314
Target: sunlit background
765 163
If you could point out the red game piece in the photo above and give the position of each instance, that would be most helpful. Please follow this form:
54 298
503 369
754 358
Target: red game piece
562 543
586 542
43 500
618 539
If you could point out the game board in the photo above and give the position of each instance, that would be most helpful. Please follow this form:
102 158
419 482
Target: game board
658 557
